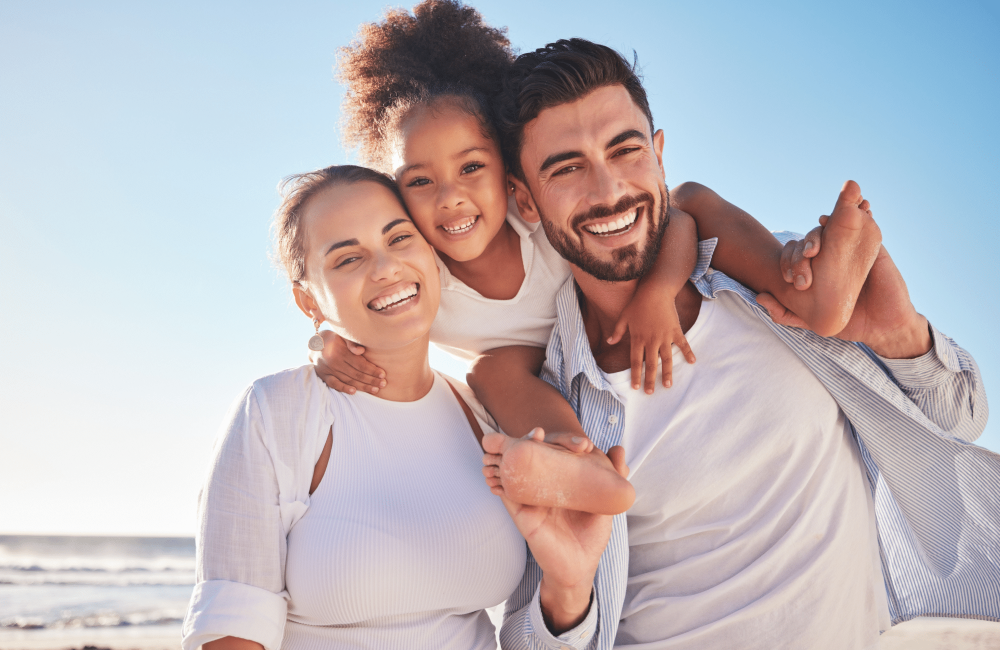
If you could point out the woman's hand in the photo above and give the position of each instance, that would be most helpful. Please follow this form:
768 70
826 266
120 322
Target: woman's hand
342 367
653 325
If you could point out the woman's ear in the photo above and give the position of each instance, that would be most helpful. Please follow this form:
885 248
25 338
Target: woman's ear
306 303
525 202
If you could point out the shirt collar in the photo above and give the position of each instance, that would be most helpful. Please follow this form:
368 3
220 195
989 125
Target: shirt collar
578 358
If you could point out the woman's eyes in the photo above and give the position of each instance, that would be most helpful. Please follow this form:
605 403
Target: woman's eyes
400 238
346 261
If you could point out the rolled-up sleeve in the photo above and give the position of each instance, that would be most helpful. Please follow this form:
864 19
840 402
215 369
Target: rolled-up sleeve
240 584
945 385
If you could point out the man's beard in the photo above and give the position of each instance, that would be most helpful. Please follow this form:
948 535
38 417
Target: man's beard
628 263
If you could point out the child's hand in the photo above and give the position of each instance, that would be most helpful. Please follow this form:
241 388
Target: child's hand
342 368
653 326
796 257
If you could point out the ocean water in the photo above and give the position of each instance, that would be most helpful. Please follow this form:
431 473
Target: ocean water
110 585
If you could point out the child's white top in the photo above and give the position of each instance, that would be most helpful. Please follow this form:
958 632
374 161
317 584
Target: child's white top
402 545
469 324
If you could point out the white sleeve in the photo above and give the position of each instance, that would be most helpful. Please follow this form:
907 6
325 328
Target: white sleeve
240 581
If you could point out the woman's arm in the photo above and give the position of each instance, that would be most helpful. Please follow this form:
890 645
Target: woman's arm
538 473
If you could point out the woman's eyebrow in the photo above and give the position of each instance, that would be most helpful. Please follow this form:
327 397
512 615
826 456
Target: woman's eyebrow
392 224
342 244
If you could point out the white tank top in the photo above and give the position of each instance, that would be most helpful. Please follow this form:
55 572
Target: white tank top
469 324
403 545
753 517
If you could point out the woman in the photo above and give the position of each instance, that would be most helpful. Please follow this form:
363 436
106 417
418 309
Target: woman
335 520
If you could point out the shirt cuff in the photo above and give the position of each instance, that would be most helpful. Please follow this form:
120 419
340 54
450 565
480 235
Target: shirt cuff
221 608
579 637
935 367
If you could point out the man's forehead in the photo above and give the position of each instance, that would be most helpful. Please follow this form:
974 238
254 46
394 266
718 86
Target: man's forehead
589 121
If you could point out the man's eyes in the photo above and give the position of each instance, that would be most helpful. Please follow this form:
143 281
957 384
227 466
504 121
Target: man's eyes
626 150
566 170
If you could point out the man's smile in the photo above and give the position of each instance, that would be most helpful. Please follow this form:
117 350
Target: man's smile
612 226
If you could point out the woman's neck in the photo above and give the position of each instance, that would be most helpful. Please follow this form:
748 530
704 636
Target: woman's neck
407 371
496 274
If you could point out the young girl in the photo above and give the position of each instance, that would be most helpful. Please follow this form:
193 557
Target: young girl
418 107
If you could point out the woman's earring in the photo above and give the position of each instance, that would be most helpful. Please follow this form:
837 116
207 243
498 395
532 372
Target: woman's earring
316 343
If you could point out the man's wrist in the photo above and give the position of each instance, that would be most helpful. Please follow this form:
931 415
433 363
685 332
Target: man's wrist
908 342
564 606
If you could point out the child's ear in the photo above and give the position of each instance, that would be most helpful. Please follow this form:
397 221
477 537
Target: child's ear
525 202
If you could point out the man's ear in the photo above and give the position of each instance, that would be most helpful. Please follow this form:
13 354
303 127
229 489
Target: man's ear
658 149
525 202
306 303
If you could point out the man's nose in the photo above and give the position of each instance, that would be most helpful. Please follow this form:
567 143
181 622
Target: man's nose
605 186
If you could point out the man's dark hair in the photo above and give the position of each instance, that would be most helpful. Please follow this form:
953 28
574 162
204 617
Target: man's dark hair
559 73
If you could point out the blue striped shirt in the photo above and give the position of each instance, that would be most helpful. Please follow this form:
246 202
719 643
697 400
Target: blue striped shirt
937 504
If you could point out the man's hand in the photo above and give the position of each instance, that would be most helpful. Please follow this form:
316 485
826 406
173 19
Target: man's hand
883 318
567 546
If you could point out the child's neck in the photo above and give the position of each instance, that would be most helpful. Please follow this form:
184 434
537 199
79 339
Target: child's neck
407 369
496 274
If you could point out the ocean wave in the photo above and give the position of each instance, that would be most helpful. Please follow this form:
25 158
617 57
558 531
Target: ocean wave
97 579
96 620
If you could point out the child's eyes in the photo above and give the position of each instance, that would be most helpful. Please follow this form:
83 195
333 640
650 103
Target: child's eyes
471 167
418 182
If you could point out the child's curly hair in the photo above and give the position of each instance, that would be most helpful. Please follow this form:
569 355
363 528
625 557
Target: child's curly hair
444 49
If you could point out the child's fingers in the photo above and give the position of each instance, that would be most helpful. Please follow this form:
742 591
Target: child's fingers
786 261
652 355
668 370
813 240
636 356
492 459
354 347
331 381
491 471
372 373
685 348
618 332
801 266
823 219
355 377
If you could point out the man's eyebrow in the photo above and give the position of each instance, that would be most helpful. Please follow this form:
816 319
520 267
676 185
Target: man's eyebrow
342 244
625 135
392 224
557 158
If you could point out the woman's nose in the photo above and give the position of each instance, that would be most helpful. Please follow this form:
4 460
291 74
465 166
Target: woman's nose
386 266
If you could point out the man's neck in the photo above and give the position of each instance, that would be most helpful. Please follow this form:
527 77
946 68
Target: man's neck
601 305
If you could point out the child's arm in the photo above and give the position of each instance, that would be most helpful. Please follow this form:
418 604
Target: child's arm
749 253
506 382
651 316
342 367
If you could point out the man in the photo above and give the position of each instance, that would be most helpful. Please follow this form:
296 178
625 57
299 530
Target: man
760 521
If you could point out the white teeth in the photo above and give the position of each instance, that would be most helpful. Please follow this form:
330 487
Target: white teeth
384 302
613 226
464 225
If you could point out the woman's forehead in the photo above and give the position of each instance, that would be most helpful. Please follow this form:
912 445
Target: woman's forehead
351 211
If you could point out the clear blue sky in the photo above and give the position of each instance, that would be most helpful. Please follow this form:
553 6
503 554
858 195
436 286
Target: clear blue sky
141 143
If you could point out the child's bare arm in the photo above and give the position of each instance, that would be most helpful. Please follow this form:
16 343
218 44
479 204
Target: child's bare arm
750 254
342 367
651 317
505 382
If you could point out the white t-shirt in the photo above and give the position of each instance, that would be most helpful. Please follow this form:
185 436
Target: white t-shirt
402 545
469 324
753 525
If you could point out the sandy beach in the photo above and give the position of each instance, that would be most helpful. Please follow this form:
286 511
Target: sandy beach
918 634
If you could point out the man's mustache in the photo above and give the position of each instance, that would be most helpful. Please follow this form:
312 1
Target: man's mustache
623 204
